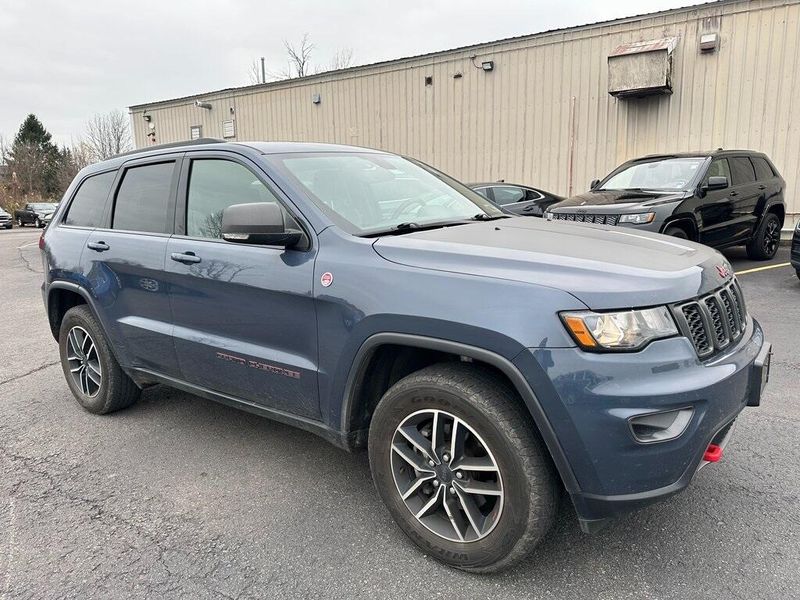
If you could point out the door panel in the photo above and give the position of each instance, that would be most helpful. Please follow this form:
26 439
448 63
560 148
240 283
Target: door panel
245 322
715 209
125 272
746 199
245 318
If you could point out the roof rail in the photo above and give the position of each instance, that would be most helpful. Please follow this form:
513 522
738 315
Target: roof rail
197 142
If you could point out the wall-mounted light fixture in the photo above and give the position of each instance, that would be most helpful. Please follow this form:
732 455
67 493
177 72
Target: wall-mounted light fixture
206 105
316 98
147 118
486 65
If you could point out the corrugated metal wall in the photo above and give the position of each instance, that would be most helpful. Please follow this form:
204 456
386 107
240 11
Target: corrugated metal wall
543 115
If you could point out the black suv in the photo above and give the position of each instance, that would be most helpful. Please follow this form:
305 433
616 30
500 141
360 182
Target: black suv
722 198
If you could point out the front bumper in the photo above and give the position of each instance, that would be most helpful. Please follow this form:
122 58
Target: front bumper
589 398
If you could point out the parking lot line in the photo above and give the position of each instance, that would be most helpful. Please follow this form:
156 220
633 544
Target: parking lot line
746 271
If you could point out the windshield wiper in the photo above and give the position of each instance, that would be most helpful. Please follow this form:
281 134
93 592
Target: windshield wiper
485 217
410 226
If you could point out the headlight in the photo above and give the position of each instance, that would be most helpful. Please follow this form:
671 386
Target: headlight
625 330
638 218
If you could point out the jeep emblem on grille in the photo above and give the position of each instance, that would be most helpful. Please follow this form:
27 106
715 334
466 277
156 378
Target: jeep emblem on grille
723 271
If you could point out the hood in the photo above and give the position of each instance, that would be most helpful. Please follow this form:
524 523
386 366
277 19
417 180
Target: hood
604 267
606 197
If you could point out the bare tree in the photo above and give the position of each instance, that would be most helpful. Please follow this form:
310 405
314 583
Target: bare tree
300 56
4 150
342 59
108 135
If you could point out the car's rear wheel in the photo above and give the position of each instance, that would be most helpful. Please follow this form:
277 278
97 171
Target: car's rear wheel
93 374
767 238
676 232
461 468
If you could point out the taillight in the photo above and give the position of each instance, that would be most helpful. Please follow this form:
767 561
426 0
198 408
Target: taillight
41 241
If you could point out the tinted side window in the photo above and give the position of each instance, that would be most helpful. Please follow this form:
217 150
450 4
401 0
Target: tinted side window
89 202
742 170
763 170
719 168
485 192
143 198
213 186
508 195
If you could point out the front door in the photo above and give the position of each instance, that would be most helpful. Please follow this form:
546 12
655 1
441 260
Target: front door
245 319
715 209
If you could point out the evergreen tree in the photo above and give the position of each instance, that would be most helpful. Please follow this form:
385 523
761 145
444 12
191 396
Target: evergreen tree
35 159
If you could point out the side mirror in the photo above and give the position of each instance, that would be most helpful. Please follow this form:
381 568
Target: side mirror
259 223
716 182
594 184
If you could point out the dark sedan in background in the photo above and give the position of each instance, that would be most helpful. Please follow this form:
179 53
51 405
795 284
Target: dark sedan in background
518 199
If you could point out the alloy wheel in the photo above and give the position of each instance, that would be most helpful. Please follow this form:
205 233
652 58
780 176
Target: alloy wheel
772 237
447 476
84 361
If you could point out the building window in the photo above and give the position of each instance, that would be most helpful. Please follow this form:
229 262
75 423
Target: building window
228 129
196 132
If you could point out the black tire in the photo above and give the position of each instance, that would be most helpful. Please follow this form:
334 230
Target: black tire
676 232
490 407
766 239
19 222
38 223
116 390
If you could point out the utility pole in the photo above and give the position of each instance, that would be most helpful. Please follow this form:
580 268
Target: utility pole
263 71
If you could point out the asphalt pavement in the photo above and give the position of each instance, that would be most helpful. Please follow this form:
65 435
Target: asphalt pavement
179 497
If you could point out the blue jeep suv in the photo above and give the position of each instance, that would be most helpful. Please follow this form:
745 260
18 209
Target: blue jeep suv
487 362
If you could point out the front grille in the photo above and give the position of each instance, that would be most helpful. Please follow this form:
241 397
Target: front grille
586 218
714 321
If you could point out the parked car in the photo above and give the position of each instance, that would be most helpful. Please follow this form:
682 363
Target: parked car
795 251
5 220
35 213
721 198
517 199
485 361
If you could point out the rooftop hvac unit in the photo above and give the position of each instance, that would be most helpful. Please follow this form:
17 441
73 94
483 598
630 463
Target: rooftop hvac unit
641 68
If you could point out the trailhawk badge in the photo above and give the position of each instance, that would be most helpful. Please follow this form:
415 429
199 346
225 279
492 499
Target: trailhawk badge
327 279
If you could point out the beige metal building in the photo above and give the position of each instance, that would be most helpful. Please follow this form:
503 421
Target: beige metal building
553 109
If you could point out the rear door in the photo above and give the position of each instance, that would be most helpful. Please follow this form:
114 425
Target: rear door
510 197
245 317
124 262
745 195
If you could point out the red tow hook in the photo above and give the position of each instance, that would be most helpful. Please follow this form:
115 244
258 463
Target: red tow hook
713 453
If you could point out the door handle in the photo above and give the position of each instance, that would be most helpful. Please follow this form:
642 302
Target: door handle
98 246
733 193
762 187
186 258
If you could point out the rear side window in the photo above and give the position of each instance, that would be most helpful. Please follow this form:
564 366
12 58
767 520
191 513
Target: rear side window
213 186
508 195
742 170
763 170
86 209
143 199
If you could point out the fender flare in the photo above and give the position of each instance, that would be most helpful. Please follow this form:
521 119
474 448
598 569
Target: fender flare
367 349
681 218
71 287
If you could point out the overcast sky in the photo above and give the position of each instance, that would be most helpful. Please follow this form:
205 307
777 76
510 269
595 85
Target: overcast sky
66 60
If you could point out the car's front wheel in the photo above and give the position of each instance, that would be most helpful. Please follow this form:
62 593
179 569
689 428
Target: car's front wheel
458 462
93 374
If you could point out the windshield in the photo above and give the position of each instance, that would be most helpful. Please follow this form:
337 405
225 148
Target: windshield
367 193
44 206
667 174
